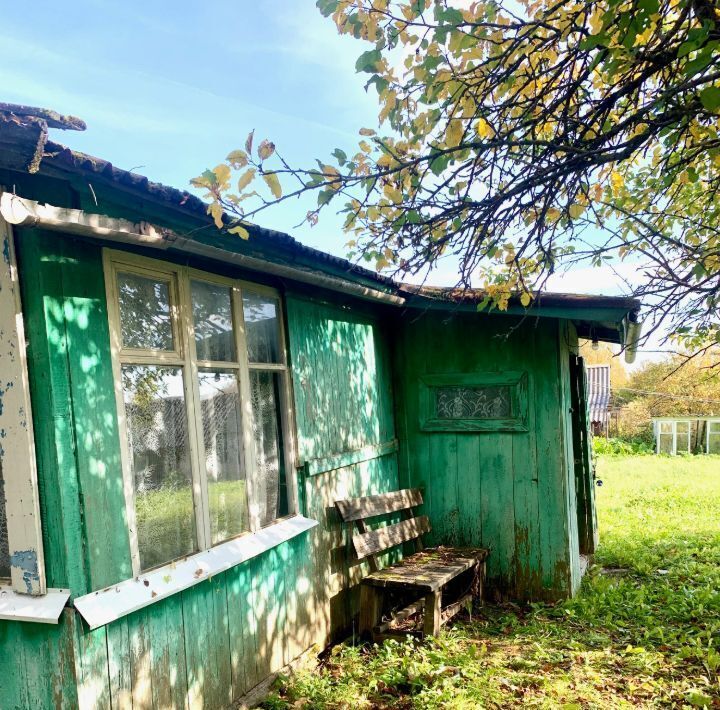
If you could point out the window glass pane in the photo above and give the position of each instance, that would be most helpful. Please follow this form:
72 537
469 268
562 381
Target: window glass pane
714 427
666 444
222 434
157 433
682 427
145 312
261 327
714 444
666 427
212 317
486 402
4 548
271 484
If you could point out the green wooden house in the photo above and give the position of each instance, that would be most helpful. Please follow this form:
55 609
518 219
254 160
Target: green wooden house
181 408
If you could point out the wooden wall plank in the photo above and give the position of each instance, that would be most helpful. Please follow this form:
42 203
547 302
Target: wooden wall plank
486 488
207 644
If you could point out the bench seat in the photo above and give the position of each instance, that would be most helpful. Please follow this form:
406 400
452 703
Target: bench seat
428 570
425 574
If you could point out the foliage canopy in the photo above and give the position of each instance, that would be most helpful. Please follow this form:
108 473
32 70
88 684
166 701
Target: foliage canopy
521 137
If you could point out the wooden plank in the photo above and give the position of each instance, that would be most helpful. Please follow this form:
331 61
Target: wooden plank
381 539
207 644
91 663
433 611
365 507
348 458
38 669
18 470
429 570
92 389
41 262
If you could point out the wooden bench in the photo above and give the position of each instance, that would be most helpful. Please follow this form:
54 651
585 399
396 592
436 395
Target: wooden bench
424 574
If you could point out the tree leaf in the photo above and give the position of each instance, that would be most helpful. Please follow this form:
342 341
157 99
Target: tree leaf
245 179
265 149
271 180
237 159
249 141
367 61
710 98
240 231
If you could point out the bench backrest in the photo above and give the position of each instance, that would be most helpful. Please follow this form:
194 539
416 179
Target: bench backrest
369 543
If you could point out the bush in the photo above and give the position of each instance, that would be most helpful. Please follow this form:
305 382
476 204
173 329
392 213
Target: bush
621 447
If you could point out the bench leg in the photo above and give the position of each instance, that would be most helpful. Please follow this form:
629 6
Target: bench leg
433 611
370 609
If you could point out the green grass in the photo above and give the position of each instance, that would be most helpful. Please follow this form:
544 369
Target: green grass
643 632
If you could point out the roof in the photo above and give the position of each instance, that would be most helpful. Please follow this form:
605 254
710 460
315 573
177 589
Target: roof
26 147
598 377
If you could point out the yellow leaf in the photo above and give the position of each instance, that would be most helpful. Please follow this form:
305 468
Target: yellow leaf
266 149
453 133
616 180
525 299
483 128
240 231
596 22
271 180
576 210
332 175
216 211
245 179
222 173
238 159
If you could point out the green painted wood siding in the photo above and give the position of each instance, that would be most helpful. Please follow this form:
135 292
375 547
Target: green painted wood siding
217 640
72 390
509 491
341 367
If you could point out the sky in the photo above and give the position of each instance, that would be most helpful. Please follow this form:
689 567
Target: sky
170 88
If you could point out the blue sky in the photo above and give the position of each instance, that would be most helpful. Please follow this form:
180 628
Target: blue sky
169 88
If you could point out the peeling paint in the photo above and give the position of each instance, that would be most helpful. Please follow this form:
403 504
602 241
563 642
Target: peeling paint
26 562
6 251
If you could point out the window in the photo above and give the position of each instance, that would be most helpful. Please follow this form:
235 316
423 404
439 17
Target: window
201 382
666 438
476 401
713 437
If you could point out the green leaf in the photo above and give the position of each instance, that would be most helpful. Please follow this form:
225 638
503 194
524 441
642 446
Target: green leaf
367 61
326 7
324 197
340 156
710 98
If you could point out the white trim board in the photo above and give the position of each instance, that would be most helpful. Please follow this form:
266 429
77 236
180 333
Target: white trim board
45 609
102 607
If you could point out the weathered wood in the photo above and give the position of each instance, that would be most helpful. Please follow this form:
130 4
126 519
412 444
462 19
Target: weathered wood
400 616
379 540
433 611
427 571
18 470
52 118
371 506
313 467
454 608
370 609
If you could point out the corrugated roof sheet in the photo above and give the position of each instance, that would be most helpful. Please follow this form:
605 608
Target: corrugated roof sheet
598 377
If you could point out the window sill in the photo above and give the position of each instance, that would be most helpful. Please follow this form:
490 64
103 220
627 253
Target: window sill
107 605
43 609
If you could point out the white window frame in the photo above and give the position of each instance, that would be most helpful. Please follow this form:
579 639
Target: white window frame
17 446
708 433
185 356
24 596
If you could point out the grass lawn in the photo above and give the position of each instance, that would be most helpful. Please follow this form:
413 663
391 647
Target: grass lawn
644 631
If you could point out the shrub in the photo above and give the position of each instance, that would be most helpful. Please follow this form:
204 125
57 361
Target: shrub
621 447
